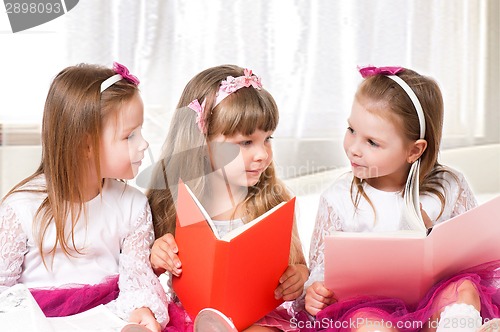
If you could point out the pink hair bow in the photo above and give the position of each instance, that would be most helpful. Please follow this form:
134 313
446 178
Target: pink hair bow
123 71
372 71
199 109
248 79
232 84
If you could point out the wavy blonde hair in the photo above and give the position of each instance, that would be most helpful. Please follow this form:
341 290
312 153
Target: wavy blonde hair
242 112
73 116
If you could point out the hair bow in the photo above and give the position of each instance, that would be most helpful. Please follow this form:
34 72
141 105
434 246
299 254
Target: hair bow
232 84
199 109
372 71
248 79
123 71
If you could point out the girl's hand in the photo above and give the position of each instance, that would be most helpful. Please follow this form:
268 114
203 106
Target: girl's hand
144 316
164 256
318 297
292 282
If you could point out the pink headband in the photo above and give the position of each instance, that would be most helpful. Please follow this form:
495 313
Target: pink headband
229 85
391 72
121 73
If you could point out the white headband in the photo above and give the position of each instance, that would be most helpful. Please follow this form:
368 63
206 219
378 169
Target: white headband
415 101
110 81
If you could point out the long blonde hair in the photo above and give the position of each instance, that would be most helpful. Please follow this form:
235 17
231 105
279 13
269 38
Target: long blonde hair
243 111
74 113
401 111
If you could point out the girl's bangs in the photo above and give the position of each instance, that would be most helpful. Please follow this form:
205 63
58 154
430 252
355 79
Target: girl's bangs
244 112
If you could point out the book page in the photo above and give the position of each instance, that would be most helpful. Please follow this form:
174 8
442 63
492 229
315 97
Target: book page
235 232
203 211
232 234
19 311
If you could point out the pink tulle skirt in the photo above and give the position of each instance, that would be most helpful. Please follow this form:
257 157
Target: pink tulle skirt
73 299
349 314
279 318
180 321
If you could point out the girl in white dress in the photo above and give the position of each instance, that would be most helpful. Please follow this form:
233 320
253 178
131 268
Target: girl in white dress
224 104
395 125
72 233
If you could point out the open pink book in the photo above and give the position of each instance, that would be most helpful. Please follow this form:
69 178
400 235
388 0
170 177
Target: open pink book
407 264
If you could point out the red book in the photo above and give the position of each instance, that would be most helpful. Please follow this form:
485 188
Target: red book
407 264
237 274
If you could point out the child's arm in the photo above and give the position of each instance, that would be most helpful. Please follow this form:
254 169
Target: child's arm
327 221
465 197
139 286
164 256
13 243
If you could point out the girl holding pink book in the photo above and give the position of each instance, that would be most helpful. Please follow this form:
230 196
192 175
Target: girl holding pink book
392 141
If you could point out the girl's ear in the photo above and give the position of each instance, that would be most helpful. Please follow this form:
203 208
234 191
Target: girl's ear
416 149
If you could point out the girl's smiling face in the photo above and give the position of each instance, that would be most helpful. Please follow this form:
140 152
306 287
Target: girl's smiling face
255 156
122 144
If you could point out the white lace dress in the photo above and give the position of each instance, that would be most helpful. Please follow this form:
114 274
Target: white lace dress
114 239
336 212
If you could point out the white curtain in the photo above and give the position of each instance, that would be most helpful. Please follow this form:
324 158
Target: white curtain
305 51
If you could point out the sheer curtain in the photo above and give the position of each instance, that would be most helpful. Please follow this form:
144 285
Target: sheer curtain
306 53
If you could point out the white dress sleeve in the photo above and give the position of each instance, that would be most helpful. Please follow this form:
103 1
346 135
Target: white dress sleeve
465 199
327 222
139 286
13 247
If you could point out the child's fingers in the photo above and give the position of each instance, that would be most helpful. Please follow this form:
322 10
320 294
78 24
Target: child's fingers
292 282
164 255
171 249
291 288
314 306
143 316
317 299
319 292
170 240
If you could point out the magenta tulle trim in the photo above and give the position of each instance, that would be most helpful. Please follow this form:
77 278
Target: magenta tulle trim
280 319
180 321
342 316
73 299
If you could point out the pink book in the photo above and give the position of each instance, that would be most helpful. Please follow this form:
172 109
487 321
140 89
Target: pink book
407 264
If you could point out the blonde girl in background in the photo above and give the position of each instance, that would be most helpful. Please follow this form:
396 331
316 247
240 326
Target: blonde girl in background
224 104
396 122
71 232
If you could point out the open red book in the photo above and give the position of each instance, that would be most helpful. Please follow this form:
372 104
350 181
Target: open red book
237 274
407 264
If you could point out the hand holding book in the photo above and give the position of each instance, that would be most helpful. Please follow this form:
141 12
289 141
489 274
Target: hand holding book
164 256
